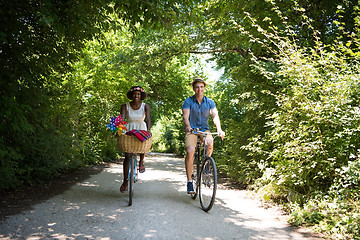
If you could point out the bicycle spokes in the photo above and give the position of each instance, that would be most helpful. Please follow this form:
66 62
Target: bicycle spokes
208 182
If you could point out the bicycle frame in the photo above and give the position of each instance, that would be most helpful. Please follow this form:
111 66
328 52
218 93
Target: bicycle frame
130 165
207 171
132 176
197 161
200 145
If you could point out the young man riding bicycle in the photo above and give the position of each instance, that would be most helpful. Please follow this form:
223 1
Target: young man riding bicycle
196 111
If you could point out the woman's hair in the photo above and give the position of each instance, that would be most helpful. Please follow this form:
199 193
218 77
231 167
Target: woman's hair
130 93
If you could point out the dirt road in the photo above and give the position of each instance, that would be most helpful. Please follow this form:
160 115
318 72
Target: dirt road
95 209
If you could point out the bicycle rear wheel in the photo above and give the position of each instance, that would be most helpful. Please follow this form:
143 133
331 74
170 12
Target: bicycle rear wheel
132 168
195 175
207 184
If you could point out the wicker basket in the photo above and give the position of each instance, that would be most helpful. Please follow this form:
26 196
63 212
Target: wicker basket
131 144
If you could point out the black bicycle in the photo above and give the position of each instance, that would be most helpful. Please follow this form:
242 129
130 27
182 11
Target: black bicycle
204 174
131 144
132 176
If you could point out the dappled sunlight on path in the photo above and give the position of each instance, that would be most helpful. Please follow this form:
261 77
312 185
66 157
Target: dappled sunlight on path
95 209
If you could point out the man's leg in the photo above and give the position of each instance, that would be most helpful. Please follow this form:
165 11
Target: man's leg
190 144
210 144
189 160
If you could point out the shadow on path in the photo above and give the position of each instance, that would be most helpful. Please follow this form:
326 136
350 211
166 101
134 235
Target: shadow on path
93 208
13 202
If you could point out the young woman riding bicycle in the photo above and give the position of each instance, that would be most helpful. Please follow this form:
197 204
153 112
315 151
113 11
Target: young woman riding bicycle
137 115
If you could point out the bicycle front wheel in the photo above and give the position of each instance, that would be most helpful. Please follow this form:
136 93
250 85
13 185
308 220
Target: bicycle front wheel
132 168
207 184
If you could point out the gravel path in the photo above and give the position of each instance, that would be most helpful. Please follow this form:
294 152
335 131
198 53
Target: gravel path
95 209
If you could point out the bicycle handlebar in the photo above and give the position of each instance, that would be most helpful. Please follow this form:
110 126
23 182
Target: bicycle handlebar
197 131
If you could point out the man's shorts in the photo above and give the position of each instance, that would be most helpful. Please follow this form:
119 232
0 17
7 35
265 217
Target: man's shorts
191 139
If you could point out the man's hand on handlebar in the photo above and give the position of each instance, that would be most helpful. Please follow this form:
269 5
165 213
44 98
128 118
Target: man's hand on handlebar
221 134
196 130
188 130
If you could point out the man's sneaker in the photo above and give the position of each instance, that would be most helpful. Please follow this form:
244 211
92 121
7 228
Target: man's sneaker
190 188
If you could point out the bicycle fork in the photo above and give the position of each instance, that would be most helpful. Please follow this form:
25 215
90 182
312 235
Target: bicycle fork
133 168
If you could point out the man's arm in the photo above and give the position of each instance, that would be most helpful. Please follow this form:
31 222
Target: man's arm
215 116
186 116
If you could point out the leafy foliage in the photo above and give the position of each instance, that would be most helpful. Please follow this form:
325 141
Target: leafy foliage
52 117
288 98
312 134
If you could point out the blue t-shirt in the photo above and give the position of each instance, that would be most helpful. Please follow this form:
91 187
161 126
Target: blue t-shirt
199 114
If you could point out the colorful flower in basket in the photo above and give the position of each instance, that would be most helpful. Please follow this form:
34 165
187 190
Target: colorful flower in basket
118 119
121 127
117 125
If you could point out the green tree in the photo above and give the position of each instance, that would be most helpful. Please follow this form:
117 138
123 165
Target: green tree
41 110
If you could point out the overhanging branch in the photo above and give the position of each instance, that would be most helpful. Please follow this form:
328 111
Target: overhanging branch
242 52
